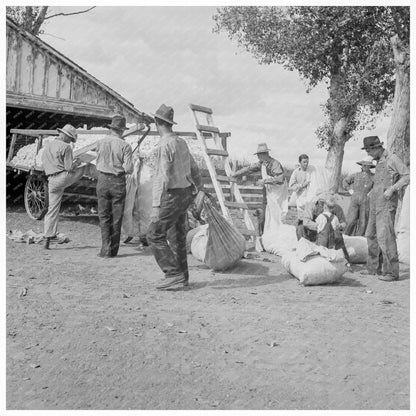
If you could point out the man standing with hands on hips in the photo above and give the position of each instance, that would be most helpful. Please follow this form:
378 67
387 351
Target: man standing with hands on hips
114 160
390 175
176 180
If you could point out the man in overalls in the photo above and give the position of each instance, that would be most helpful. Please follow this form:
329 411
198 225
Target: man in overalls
391 175
359 185
274 186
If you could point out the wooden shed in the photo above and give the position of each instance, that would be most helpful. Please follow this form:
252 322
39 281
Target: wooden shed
45 89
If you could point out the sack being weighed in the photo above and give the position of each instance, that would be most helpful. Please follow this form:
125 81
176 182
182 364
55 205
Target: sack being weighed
218 243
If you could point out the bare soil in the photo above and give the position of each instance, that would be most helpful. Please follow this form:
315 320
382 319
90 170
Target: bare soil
93 333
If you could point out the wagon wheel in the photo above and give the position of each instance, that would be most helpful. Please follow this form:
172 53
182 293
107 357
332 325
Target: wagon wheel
36 196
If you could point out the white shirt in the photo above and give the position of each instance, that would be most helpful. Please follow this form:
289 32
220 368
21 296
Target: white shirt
321 221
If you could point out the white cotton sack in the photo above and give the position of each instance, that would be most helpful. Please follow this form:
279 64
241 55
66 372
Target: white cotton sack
280 240
357 248
316 270
199 243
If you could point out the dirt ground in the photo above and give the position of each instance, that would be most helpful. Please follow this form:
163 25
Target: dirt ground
93 333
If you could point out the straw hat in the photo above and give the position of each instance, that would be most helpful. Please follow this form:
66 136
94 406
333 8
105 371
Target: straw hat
70 131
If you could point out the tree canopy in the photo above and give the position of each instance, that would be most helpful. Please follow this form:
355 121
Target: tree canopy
348 48
32 18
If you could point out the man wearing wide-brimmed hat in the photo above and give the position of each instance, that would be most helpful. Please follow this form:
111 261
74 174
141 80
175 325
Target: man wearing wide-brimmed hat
359 185
114 160
390 176
61 172
176 181
274 186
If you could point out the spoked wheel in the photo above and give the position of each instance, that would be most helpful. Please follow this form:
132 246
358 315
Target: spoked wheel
36 196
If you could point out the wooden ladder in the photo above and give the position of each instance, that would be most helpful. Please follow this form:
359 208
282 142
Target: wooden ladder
207 130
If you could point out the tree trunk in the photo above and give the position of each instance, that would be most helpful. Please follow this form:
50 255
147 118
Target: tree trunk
398 136
333 164
340 118
39 20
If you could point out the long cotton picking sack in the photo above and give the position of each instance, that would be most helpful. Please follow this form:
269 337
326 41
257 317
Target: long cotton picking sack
225 245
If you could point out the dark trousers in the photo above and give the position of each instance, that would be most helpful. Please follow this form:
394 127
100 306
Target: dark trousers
167 236
111 194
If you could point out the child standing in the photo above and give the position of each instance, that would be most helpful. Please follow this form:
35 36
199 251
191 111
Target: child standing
329 229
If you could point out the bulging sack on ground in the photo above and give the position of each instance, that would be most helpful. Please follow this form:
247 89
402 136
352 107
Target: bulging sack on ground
313 264
200 242
219 245
280 240
357 248
316 270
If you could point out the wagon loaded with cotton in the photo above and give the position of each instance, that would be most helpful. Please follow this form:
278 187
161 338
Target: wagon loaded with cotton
25 157
46 90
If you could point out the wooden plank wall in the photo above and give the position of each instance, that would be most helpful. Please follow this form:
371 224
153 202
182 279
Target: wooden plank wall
38 78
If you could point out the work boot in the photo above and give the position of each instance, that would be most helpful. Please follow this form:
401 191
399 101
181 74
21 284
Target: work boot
172 281
388 277
47 243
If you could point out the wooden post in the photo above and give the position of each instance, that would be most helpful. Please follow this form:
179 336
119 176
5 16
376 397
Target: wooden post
11 148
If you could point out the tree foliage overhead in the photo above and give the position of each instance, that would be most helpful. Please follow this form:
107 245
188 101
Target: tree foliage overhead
349 45
31 18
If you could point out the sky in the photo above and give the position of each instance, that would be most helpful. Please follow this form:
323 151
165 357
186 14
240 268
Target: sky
170 55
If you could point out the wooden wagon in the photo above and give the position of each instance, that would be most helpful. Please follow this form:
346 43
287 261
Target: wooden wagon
46 90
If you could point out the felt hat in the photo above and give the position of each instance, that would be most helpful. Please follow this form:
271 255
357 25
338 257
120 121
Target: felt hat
164 113
118 123
262 148
70 131
370 142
